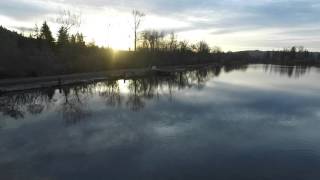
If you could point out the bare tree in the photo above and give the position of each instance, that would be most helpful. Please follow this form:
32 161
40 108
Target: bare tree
202 47
216 50
184 46
36 32
173 43
137 18
152 39
68 19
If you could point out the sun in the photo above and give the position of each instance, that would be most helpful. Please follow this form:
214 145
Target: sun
115 32
120 39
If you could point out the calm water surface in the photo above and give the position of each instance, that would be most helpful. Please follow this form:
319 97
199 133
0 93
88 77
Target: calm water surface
252 122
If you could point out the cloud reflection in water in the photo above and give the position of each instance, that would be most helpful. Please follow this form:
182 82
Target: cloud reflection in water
206 124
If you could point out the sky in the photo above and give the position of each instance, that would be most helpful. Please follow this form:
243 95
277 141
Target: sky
233 25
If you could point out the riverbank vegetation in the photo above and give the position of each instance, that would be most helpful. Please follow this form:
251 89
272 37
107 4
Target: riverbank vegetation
41 54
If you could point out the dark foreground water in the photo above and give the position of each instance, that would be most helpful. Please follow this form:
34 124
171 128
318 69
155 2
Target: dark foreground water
252 122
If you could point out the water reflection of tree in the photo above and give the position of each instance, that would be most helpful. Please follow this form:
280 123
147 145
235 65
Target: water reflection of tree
230 68
110 91
135 102
151 87
73 107
289 71
17 105
72 100
198 78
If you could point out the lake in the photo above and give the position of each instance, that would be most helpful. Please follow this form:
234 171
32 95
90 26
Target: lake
254 122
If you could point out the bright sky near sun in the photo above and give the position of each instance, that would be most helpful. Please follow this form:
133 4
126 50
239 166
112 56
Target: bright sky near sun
231 24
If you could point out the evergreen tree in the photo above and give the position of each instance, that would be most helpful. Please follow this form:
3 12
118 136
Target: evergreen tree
73 40
36 32
63 37
45 34
80 39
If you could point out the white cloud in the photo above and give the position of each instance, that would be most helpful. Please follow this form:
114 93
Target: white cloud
232 24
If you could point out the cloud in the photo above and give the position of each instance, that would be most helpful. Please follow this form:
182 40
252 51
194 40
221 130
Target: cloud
222 17
24 10
23 29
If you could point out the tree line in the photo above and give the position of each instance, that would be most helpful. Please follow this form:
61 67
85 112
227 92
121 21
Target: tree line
42 54
296 55
148 40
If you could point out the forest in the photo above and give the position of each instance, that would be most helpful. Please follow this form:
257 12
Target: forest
41 54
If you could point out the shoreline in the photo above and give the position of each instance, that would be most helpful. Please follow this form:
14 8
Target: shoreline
23 84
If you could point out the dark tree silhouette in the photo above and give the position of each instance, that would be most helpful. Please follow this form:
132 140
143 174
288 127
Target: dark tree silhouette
184 47
293 52
38 55
137 18
46 34
173 42
203 47
63 37
151 39
36 32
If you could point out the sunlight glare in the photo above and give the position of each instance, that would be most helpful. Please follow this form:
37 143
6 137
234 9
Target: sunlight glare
119 38
123 85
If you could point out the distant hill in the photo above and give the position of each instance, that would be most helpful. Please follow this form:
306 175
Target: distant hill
261 54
